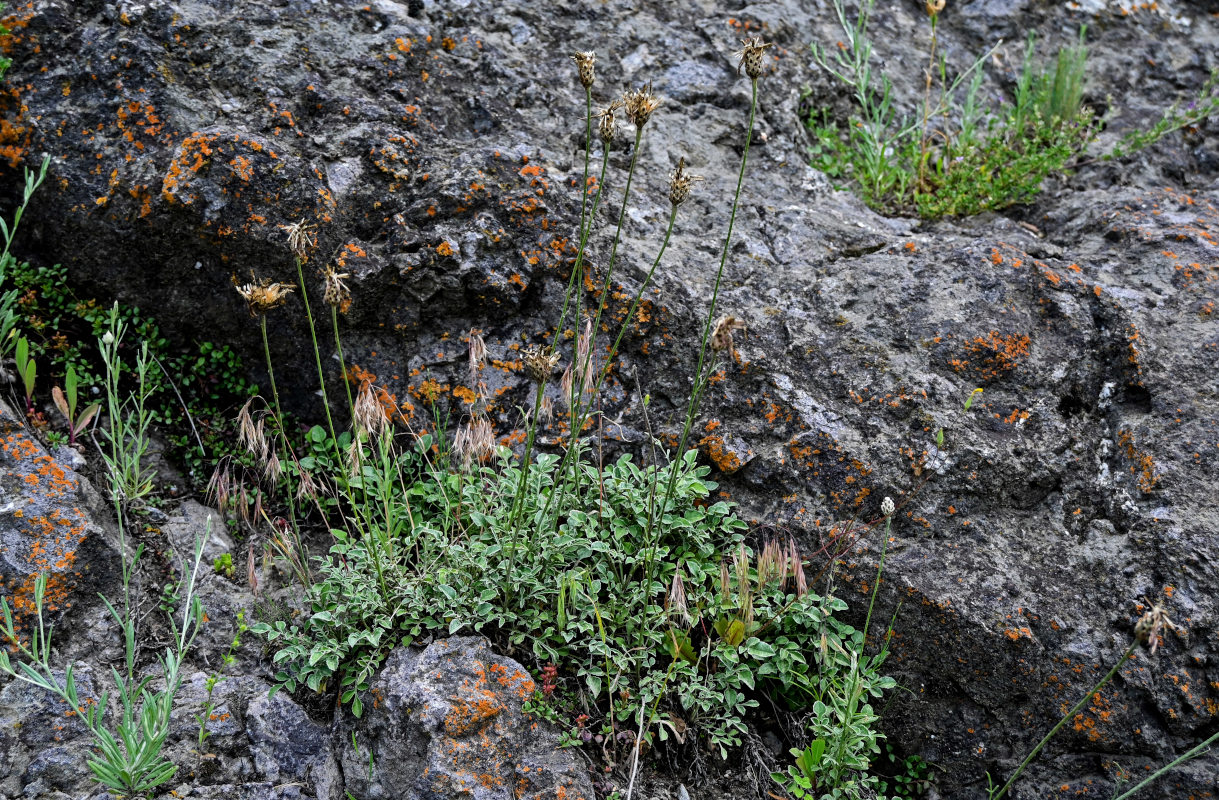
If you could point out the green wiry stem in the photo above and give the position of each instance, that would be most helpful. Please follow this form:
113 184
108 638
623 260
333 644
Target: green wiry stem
1074 710
338 347
317 354
699 383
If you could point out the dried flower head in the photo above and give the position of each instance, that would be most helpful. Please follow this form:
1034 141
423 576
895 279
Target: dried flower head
251 575
721 334
474 441
640 104
680 182
934 7
369 413
1151 626
750 56
886 507
301 238
607 125
585 59
334 292
539 364
676 603
307 489
262 296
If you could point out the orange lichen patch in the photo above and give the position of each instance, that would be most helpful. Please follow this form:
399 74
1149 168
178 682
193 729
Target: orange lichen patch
465 395
992 355
1088 722
724 459
444 249
1142 465
349 251
396 157
50 530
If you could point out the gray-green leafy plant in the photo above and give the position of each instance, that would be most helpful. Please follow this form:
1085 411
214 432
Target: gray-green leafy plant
982 159
1206 104
128 416
8 297
27 369
129 758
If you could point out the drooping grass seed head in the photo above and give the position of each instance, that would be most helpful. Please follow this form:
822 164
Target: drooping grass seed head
301 238
607 124
722 334
334 292
369 413
640 104
262 296
474 442
539 364
676 603
680 183
750 56
307 488
585 60
272 469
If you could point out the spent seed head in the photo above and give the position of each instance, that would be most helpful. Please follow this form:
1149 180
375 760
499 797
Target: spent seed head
640 104
585 59
750 56
607 125
262 296
680 183
334 292
301 238
1151 626
721 334
539 364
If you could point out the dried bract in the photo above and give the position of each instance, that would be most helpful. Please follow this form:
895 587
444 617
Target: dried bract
301 238
934 7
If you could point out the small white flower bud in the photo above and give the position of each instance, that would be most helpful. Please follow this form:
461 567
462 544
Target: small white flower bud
886 507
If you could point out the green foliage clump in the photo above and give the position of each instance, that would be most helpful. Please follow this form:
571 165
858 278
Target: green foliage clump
956 158
572 593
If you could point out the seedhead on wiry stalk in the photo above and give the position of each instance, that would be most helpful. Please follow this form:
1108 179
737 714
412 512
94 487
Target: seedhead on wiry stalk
680 183
301 238
262 296
539 364
676 603
721 334
750 56
334 292
607 125
1151 626
585 60
640 104
369 413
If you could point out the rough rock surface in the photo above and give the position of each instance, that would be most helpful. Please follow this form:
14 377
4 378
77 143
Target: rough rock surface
51 522
436 145
447 721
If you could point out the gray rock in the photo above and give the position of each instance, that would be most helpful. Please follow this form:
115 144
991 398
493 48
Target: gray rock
448 722
288 747
402 129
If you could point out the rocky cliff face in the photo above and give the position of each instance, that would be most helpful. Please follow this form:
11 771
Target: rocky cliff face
438 148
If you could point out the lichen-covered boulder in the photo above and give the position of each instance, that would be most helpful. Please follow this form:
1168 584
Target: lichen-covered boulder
447 722
51 522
